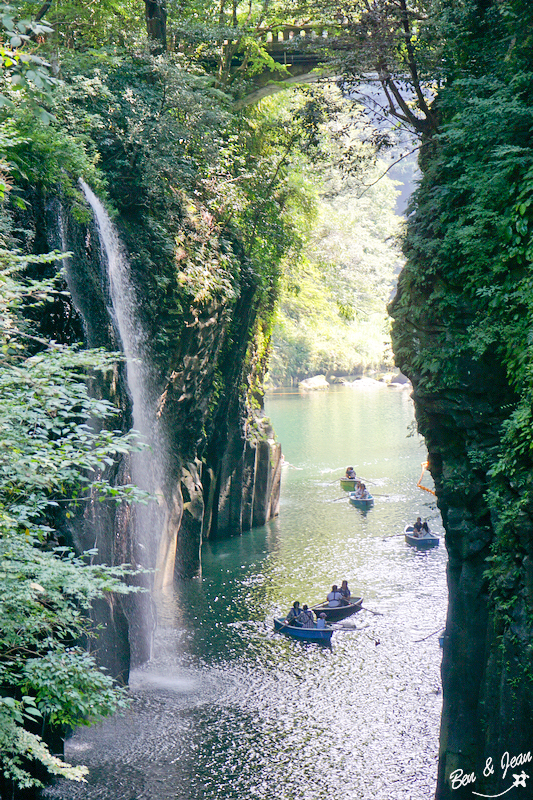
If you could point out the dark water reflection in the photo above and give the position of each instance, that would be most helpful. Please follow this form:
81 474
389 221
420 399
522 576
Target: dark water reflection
227 708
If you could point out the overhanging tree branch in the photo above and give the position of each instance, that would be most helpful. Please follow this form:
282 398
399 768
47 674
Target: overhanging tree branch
411 61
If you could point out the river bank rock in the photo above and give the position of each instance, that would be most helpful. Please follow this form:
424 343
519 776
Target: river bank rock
317 383
366 382
399 380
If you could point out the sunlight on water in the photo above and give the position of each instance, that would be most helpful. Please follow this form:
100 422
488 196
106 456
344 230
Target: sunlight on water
228 708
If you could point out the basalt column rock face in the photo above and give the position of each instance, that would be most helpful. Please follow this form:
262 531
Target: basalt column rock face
487 686
248 486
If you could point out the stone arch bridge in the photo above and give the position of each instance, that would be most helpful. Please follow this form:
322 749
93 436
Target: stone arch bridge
299 48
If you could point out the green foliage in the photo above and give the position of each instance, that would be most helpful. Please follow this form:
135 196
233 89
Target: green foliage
82 24
43 595
69 689
331 316
22 71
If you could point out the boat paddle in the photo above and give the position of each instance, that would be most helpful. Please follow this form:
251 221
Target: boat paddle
376 613
430 634
288 625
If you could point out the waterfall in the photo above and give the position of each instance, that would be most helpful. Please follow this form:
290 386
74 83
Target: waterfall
147 521
124 312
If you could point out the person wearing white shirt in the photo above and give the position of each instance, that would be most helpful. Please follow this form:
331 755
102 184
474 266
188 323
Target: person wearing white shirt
334 598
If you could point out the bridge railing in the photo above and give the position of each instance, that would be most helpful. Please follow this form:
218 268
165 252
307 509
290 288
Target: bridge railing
276 38
273 37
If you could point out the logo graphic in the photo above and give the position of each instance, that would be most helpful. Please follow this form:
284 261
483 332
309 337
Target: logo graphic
458 778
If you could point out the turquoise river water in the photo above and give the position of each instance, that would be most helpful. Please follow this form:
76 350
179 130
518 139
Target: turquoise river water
229 709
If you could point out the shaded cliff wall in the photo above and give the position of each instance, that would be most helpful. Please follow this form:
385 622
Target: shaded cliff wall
222 468
462 334
487 692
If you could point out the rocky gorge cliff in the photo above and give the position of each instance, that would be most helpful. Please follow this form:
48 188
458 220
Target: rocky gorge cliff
158 277
219 467
462 334
486 668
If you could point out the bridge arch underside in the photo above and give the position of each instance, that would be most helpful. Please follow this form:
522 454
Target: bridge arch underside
298 73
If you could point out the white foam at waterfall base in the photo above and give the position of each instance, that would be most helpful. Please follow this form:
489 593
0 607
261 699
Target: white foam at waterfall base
147 681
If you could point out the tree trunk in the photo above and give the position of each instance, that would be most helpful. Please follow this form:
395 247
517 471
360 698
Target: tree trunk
156 24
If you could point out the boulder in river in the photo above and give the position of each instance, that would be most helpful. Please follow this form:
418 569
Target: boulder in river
400 380
315 384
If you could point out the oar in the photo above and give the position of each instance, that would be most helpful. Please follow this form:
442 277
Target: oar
430 635
344 497
338 627
288 625
376 613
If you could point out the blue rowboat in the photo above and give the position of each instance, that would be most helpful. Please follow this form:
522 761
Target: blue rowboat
359 502
421 542
320 635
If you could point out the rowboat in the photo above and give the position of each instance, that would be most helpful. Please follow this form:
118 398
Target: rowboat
359 502
339 612
320 635
421 542
347 484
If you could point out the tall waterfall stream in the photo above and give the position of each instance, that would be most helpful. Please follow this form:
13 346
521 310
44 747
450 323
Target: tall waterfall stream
124 310
147 463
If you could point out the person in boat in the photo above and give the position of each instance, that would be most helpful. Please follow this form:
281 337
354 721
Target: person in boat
425 529
306 618
321 621
346 593
361 492
350 472
417 527
358 490
293 614
334 598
